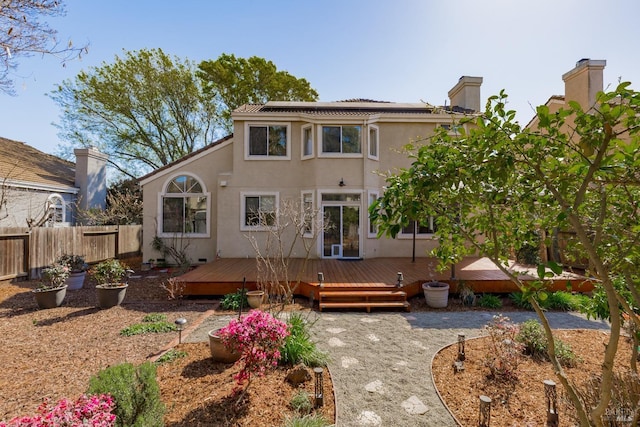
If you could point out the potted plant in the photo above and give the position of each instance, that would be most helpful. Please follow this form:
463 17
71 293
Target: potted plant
52 290
78 270
111 277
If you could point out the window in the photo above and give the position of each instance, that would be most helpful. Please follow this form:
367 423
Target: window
184 207
373 142
56 210
308 214
373 228
267 141
341 139
258 210
423 227
307 142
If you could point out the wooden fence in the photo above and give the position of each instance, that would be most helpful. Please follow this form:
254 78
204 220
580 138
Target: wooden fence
24 252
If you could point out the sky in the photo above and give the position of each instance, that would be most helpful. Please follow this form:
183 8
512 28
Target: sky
387 50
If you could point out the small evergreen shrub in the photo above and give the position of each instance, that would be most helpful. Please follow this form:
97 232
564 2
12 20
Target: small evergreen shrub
135 391
233 301
561 300
489 301
301 402
311 420
299 347
535 343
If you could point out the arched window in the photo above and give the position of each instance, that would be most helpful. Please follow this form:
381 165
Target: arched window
55 209
184 206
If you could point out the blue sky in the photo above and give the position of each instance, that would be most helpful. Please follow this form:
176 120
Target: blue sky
391 50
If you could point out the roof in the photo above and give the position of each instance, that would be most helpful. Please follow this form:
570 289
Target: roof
349 107
22 163
186 157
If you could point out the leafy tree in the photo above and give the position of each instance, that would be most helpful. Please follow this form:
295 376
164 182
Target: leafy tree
23 33
145 110
238 81
498 187
124 206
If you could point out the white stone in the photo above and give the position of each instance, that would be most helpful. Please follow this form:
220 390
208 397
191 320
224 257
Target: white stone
369 418
414 406
335 342
335 330
375 387
369 320
348 362
419 345
402 363
373 338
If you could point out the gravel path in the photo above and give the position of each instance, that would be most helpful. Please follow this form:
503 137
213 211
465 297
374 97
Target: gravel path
380 362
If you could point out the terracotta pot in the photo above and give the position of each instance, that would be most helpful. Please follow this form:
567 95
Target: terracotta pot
255 298
75 280
111 296
436 294
50 298
219 352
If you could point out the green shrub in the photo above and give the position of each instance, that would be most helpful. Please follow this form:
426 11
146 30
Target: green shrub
565 301
301 402
298 346
535 342
521 301
151 323
489 301
233 301
170 356
135 391
314 420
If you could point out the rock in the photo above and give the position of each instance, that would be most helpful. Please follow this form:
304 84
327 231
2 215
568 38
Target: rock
298 375
414 406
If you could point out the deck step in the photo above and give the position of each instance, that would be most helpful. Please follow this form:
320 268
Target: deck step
367 299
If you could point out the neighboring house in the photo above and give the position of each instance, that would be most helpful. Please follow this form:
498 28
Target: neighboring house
39 189
326 155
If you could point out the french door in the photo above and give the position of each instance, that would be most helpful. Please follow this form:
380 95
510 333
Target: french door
341 237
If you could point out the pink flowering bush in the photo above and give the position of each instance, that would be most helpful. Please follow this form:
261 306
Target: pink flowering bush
90 411
504 357
257 337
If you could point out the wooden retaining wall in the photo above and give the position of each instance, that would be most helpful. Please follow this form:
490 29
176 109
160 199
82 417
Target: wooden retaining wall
24 252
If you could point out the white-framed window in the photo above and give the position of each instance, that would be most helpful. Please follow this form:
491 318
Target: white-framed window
267 141
343 140
422 228
373 228
308 213
258 210
373 142
56 209
307 142
184 207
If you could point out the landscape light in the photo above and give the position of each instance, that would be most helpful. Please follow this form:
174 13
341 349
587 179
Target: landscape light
180 322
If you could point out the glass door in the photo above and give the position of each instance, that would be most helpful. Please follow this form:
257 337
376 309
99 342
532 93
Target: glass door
341 238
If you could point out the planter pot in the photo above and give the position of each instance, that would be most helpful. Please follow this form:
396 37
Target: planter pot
110 296
75 280
255 298
436 294
219 352
50 298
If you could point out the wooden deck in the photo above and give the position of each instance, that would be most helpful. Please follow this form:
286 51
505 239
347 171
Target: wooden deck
226 275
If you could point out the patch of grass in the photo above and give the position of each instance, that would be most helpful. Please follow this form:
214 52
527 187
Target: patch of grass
171 356
301 402
151 323
489 301
298 346
306 421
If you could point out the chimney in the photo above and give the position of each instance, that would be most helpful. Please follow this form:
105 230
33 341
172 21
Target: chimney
466 93
583 82
91 177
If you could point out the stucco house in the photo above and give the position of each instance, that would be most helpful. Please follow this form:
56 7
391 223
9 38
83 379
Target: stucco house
326 155
42 190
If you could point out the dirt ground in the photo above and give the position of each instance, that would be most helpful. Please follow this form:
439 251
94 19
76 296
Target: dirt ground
53 353
522 403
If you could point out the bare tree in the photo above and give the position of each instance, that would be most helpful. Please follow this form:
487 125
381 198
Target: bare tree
290 228
24 33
